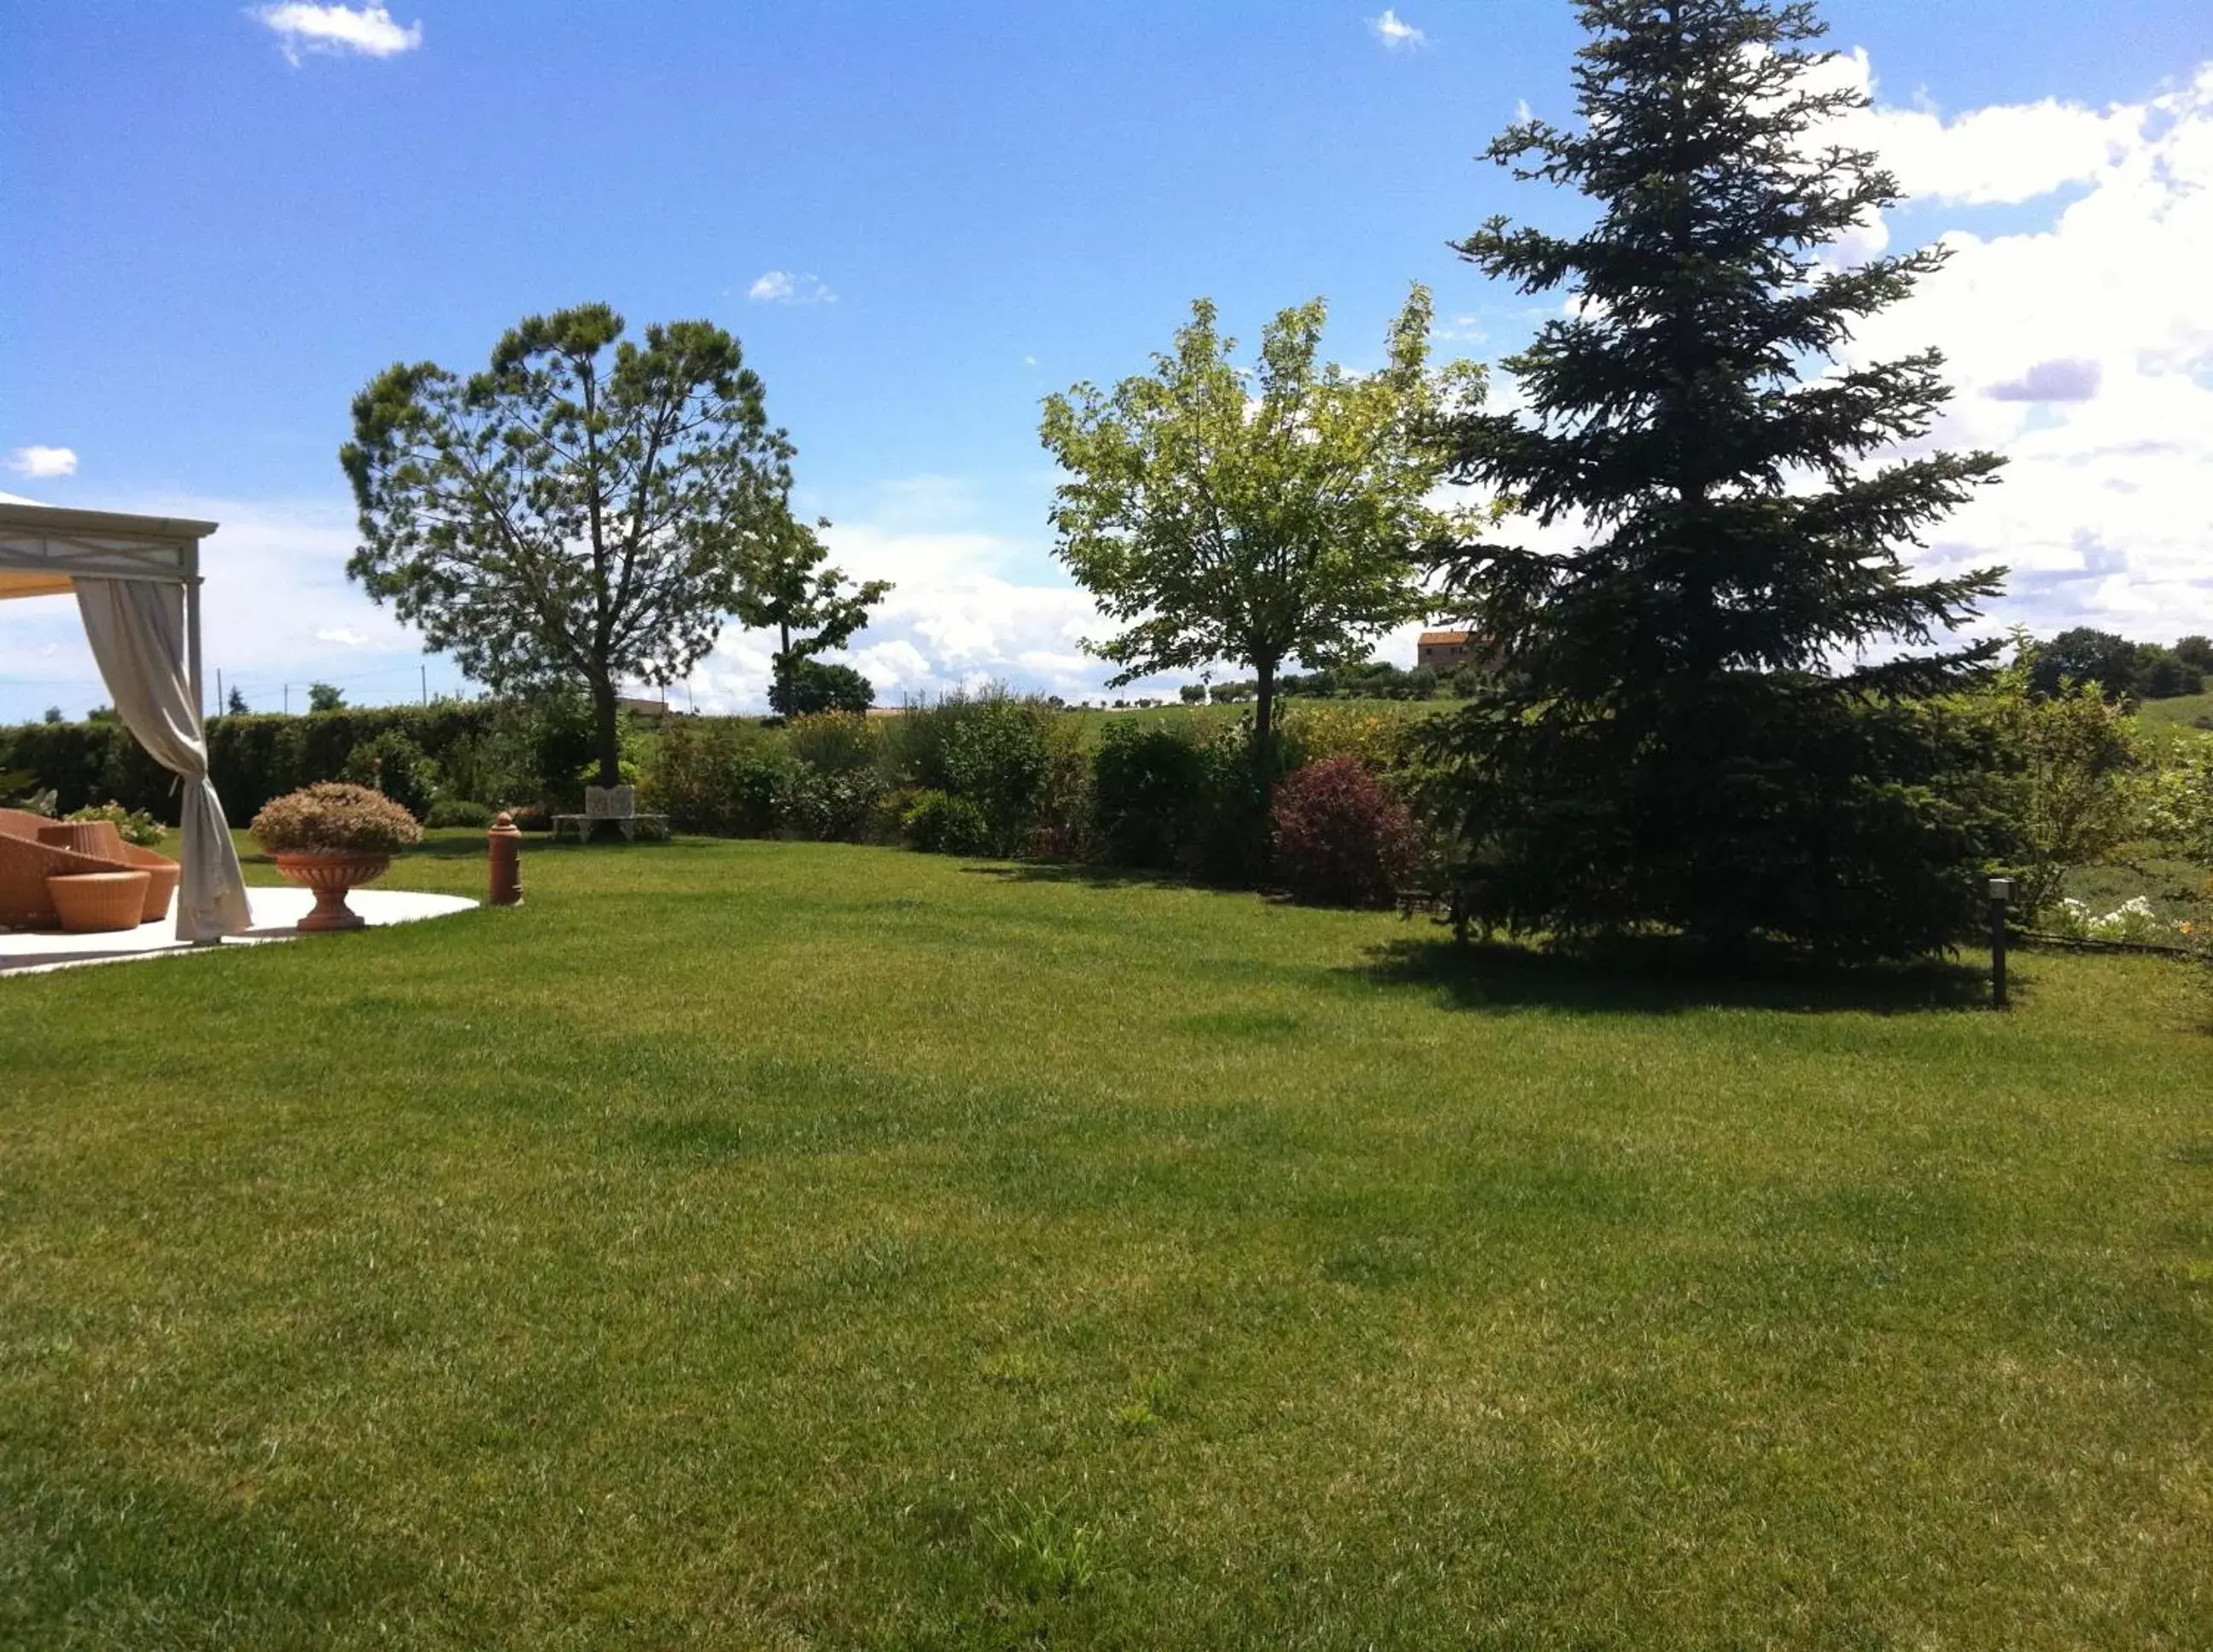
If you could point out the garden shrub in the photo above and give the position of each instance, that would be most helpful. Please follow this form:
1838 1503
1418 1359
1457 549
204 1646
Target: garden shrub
1339 838
833 742
760 784
2179 801
334 815
395 766
1788 815
1061 828
1231 843
692 778
1313 733
1148 782
2070 765
826 806
914 742
938 823
458 812
997 758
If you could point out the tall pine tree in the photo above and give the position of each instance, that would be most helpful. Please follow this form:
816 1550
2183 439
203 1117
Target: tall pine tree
1713 718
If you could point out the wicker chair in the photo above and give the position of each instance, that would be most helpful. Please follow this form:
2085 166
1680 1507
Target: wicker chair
26 863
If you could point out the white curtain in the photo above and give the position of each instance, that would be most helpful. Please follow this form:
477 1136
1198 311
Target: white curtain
137 627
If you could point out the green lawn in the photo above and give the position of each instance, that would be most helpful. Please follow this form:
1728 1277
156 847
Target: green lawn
2193 712
784 1245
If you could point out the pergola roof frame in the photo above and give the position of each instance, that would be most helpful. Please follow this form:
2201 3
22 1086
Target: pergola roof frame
44 547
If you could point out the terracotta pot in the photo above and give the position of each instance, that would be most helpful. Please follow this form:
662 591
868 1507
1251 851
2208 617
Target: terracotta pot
330 872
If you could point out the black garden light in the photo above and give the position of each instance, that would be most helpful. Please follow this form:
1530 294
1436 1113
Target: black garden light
2001 891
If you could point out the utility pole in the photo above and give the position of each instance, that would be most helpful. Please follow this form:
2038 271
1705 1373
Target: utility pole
218 691
288 699
425 670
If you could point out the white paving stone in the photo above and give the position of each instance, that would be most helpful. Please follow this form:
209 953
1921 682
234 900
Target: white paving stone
274 912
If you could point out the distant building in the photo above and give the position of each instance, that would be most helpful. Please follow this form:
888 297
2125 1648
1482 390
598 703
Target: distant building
639 707
1444 651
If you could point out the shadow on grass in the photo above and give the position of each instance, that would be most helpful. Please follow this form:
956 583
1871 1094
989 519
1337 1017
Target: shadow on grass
1664 980
1100 877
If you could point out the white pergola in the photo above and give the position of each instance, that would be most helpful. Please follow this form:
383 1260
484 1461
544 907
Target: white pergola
137 581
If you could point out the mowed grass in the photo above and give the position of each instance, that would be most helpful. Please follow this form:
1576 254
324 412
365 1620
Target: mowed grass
756 1245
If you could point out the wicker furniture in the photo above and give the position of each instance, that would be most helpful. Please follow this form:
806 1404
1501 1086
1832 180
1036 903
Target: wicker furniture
28 856
100 839
96 903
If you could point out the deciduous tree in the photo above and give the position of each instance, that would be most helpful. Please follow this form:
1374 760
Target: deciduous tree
1224 514
583 511
810 607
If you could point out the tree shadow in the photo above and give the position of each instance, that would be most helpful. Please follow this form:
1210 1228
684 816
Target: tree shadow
1662 979
1100 877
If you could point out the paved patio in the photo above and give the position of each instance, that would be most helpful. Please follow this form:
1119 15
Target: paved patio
274 912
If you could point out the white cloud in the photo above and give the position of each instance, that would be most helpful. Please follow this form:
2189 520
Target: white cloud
342 635
788 287
2003 155
366 30
36 461
2081 348
966 609
1395 33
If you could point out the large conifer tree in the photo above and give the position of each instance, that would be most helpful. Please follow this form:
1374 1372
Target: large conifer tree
1711 719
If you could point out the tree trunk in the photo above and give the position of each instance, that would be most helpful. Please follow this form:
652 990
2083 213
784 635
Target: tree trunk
1263 708
607 733
781 700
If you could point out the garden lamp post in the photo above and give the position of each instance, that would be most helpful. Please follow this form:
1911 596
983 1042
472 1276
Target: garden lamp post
2001 894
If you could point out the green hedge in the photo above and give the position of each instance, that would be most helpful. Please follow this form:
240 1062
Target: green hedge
253 759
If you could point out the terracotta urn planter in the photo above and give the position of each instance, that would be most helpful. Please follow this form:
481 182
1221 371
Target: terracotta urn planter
330 872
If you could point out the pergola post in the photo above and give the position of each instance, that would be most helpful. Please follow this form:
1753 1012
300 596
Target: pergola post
192 633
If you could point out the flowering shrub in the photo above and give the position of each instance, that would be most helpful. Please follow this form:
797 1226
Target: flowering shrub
333 815
2133 921
134 826
1318 732
1339 837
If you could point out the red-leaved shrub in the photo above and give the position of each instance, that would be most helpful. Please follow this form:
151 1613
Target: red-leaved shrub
1339 838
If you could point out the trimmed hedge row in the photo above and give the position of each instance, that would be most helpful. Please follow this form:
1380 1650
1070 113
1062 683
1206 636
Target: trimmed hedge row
499 750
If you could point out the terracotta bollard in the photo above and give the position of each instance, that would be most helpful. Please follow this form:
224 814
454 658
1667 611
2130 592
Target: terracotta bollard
503 850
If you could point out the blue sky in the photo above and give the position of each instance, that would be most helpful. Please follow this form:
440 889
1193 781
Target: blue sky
210 238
